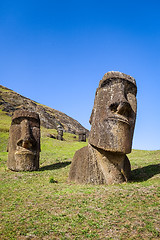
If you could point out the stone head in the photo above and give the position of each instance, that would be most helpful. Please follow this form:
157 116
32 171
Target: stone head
114 113
60 133
60 130
24 141
82 136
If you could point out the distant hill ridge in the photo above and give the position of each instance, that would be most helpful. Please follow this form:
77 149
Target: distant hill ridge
50 118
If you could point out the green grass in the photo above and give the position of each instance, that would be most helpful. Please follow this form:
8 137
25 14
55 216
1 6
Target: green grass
44 205
5 122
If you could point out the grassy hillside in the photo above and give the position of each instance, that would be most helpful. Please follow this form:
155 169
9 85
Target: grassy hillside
43 205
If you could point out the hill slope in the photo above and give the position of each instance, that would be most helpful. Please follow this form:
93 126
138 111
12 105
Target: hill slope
43 205
35 205
50 118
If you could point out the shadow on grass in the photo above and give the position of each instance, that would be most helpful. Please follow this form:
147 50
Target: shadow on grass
144 173
55 166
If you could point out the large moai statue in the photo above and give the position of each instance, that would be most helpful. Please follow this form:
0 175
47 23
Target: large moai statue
104 160
24 141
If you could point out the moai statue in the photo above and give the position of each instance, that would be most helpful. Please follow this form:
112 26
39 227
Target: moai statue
60 133
24 141
82 136
104 160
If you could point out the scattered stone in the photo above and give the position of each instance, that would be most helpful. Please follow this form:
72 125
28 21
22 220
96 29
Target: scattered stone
51 136
52 180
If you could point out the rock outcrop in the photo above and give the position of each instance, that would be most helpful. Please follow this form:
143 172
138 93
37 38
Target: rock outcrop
50 118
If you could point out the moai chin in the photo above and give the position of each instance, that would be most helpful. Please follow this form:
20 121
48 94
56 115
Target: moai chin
104 160
24 141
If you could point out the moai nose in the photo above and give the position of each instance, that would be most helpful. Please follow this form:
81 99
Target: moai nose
124 108
121 107
26 140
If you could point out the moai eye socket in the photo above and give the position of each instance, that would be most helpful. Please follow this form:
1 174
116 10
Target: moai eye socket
17 121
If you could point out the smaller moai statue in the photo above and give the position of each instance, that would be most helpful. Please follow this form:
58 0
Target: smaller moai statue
24 141
60 133
82 136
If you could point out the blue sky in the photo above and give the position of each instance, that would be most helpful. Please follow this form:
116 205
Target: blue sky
55 52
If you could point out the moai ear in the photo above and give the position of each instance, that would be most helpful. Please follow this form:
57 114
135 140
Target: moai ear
91 117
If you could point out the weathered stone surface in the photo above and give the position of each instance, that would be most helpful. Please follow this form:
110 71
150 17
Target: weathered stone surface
96 166
114 113
24 141
79 167
113 120
60 133
82 136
